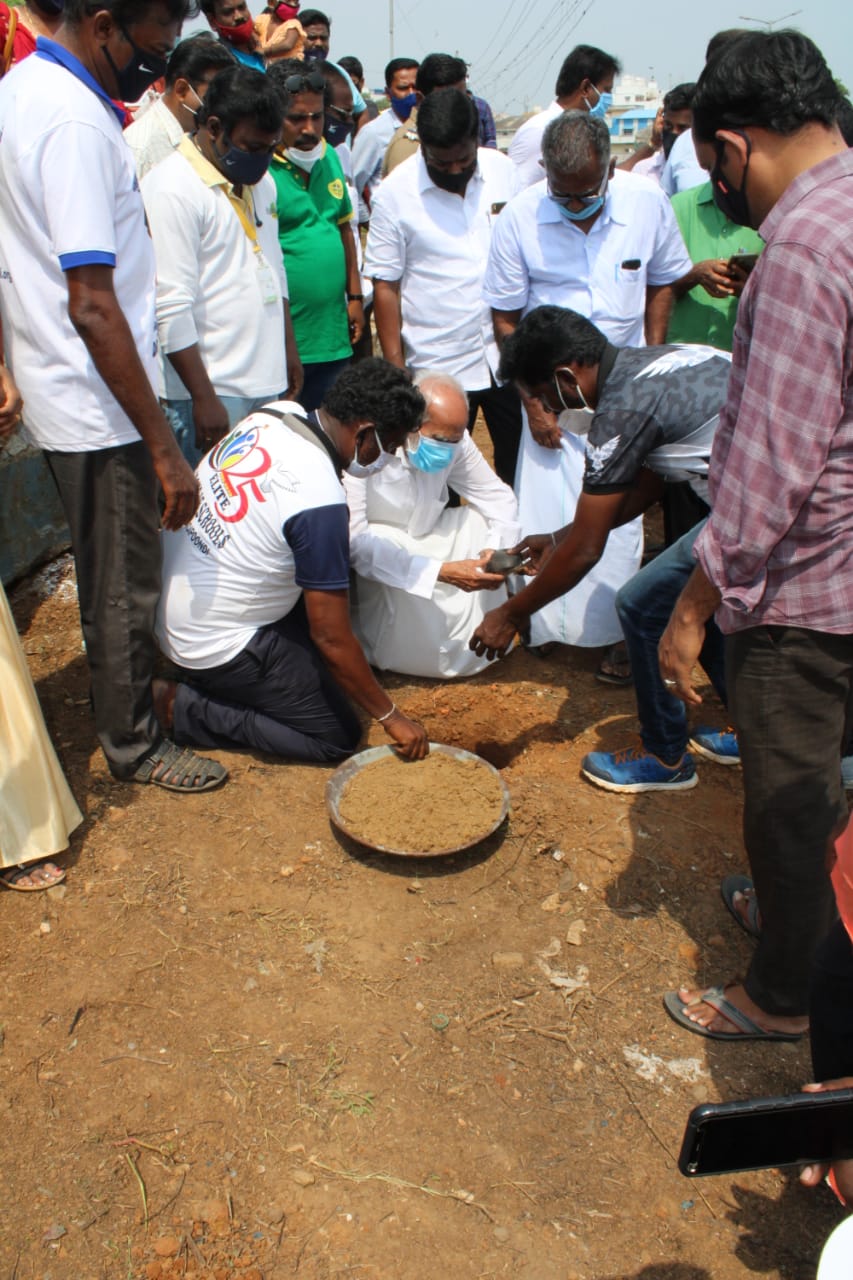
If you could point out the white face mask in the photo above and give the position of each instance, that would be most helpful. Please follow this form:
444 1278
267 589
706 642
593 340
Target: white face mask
193 111
361 470
305 159
583 407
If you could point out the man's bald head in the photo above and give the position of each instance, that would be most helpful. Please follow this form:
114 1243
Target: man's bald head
446 414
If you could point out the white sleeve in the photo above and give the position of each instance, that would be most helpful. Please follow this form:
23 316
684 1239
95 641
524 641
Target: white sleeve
174 221
682 170
506 284
525 152
669 260
474 480
266 208
76 168
376 558
367 152
385 252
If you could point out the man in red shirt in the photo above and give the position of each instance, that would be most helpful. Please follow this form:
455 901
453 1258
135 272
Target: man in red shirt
774 559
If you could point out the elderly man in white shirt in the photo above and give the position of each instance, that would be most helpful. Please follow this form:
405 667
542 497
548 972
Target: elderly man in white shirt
430 231
423 583
604 244
585 83
154 135
222 310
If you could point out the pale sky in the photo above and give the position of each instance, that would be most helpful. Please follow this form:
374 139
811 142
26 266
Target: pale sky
515 46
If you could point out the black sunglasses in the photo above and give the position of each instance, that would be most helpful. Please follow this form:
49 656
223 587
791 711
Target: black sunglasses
310 80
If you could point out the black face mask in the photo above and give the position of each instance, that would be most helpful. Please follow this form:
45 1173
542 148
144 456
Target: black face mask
314 55
337 131
731 201
139 74
456 183
669 136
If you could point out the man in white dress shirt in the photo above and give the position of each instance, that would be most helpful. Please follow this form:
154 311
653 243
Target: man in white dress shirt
222 310
604 244
423 583
427 248
585 83
190 70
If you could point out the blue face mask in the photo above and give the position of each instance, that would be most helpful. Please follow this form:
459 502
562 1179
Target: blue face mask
580 215
243 168
403 107
431 455
602 106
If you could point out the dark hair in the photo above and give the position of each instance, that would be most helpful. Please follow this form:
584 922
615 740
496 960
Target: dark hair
438 71
546 338
127 13
380 391
314 18
776 80
332 74
447 118
585 62
680 98
352 65
722 39
242 93
194 57
280 71
398 64
844 120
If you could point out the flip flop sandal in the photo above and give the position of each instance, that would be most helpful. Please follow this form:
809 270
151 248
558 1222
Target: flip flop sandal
179 769
716 998
729 886
12 876
607 672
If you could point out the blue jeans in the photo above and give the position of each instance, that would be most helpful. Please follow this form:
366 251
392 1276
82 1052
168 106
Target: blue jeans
180 415
644 606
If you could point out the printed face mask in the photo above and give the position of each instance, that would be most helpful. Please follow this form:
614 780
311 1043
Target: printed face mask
139 74
336 131
431 455
243 168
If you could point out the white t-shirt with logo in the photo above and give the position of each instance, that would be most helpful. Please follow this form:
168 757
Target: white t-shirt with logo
271 521
69 197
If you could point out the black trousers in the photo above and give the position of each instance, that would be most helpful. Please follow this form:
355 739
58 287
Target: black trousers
276 696
110 502
831 1006
502 411
791 696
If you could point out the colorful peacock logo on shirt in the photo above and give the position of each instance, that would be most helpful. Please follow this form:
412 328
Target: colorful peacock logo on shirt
237 463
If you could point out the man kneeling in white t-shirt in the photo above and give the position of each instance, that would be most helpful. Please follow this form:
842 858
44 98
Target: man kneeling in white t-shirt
255 601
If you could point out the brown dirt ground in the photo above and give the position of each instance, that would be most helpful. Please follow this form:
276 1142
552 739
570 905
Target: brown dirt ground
234 1047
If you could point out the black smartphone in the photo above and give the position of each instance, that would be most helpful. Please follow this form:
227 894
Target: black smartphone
746 261
768 1133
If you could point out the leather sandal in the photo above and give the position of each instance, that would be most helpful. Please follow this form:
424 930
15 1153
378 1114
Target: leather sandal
180 769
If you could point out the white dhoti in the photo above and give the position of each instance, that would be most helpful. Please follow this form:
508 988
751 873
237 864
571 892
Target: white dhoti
548 483
401 631
37 809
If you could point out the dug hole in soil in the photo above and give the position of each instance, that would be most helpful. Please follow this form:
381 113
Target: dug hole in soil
234 1046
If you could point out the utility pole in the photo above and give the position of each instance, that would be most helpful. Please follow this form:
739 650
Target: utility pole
773 22
391 26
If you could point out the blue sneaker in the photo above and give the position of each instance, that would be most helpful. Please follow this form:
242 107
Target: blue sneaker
719 745
633 769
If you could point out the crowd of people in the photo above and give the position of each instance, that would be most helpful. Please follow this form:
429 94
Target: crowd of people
203 241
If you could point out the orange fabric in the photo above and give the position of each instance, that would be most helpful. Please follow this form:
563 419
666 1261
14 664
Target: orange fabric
272 34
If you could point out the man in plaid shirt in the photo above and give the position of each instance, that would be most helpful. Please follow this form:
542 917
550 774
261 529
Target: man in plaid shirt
774 560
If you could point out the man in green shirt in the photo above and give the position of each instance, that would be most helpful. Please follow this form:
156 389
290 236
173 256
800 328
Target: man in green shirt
707 297
315 233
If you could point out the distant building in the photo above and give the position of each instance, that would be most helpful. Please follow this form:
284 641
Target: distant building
630 127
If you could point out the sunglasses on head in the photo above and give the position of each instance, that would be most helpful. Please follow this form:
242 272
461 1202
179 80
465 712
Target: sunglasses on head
308 80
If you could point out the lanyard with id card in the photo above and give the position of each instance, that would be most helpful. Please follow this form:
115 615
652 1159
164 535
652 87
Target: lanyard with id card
267 280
